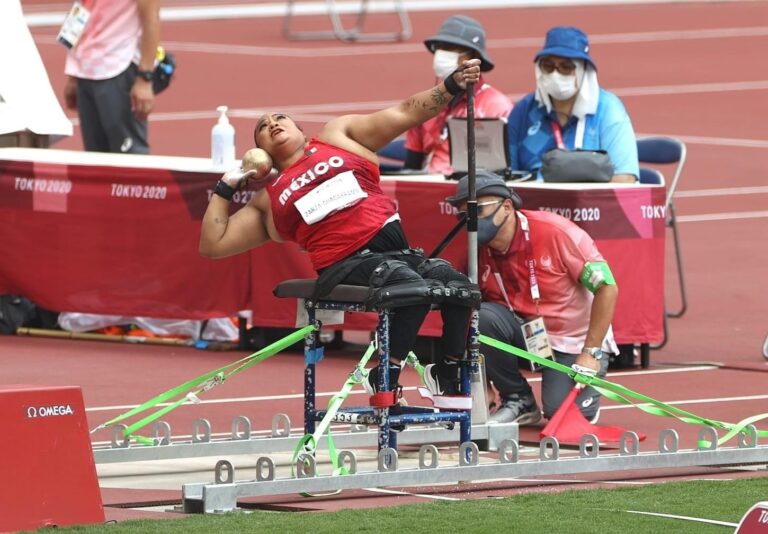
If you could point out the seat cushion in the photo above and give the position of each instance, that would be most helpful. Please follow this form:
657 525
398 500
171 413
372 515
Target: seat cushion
305 287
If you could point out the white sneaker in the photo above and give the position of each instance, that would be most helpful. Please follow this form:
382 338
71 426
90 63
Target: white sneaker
439 385
444 393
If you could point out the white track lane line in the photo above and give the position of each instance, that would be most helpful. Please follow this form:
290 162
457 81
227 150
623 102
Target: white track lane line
406 493
701 193
558 481
577 481
322 112
728 216
683 517
296 396
292 396
683 402
43 39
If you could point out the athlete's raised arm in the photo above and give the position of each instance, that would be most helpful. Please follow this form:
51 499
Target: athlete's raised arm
365 134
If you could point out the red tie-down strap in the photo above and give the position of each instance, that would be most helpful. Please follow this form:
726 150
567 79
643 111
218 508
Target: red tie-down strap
385 399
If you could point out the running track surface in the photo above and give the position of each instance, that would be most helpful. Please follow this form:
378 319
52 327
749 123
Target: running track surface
690 70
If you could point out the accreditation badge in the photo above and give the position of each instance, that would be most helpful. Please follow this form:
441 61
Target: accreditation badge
73 26
537 340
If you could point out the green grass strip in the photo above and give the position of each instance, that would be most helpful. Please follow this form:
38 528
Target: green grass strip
582 511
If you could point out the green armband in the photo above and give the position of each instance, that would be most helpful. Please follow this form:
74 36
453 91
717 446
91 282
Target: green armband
595 275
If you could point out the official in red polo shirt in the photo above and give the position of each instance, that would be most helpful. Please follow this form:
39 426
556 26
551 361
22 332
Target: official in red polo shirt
546 289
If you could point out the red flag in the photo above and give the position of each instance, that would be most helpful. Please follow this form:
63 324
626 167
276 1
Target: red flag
568 425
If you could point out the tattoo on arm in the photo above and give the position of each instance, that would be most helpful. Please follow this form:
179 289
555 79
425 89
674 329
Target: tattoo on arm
222 220
438 98
435 101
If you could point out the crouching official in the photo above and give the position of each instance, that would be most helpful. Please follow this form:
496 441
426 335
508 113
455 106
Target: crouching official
546 289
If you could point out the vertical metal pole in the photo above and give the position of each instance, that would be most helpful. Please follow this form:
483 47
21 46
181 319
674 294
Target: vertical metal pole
472 199
383 341
310 345
473 378
479 412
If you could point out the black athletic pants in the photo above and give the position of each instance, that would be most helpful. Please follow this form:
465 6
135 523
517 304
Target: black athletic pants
406 321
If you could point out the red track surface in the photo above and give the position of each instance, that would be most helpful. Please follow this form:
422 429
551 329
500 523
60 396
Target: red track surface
681 70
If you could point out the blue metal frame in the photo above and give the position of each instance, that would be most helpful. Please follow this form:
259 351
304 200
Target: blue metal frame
473 346
385 418
311 342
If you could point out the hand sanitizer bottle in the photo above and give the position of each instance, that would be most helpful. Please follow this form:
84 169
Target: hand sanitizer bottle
223 141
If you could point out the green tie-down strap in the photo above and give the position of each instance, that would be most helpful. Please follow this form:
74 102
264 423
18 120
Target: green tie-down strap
308 442
621 394
412 361
189 391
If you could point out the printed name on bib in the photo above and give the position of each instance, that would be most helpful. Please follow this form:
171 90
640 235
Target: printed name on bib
335 194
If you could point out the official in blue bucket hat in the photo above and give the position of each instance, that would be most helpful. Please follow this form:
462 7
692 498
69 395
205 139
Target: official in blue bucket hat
570 111
568 42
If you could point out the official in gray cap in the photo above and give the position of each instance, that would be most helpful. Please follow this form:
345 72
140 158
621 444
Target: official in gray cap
547 290
458 39
461 35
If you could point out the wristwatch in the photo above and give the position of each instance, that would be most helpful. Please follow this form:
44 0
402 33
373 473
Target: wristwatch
595 352
147 75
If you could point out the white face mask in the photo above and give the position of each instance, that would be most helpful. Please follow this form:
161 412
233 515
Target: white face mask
444 63
558 86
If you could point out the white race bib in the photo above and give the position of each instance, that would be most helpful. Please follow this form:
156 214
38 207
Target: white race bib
341 191
73 26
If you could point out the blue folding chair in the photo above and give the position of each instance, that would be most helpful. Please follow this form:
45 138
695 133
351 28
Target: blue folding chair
393 156
651 176
666 151
663 151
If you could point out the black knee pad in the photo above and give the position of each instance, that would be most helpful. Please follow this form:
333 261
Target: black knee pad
391 272
457 287
440 269
394 285
463 293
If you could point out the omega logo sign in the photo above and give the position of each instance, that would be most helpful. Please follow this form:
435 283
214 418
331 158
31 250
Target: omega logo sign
49 411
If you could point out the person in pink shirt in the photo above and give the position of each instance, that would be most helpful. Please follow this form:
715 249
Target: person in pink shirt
110 71
546 289
459 38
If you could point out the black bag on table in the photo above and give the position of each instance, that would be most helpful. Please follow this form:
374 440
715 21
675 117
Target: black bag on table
568 166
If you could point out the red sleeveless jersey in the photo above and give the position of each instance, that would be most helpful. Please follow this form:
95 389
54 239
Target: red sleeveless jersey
330 202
